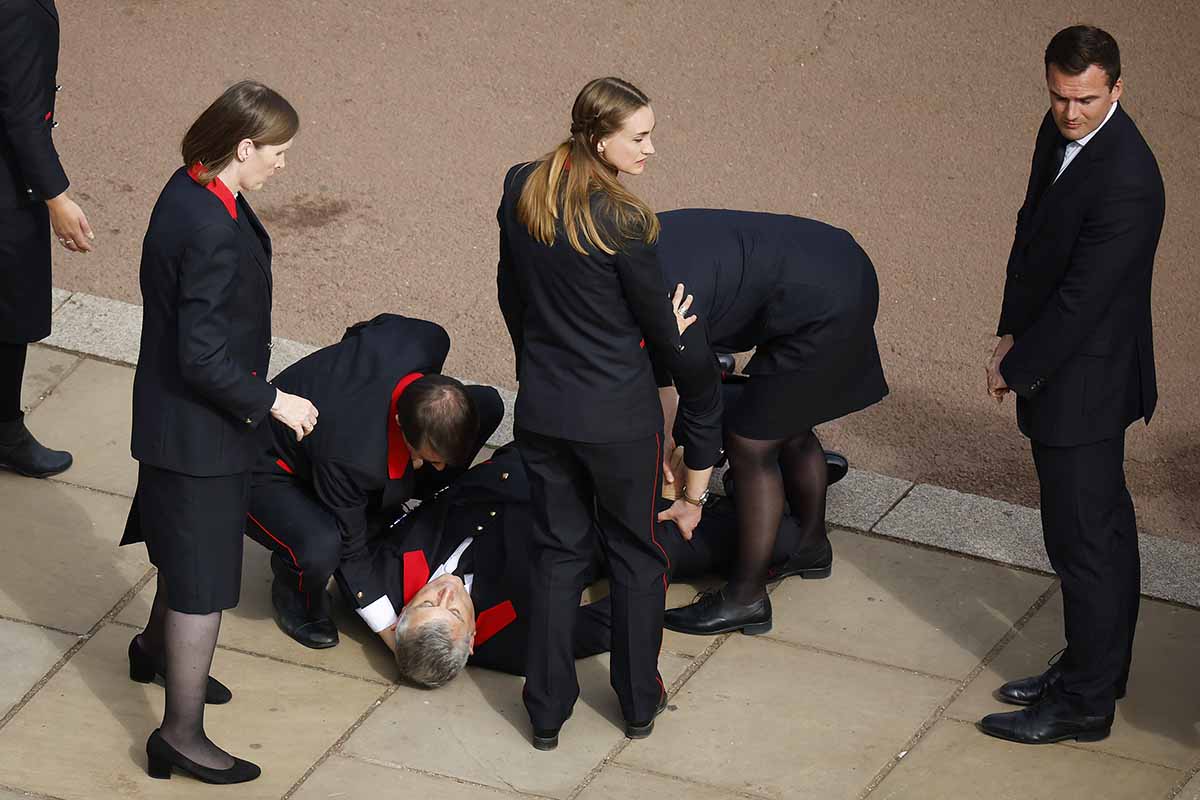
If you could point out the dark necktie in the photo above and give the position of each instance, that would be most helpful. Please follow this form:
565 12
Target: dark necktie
1060 155
466 563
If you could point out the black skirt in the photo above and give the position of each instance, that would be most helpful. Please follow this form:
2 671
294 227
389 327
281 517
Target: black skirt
193 530
24 273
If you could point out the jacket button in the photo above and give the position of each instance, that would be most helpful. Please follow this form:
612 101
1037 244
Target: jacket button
478 527
29 191
503 476
491 513
54 124
359 595
249 421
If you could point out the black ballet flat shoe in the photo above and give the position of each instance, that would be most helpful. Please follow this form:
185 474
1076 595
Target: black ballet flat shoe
712 613
304 616
811 563
640 730
162 758
836 467
24 454
1046 722
144 668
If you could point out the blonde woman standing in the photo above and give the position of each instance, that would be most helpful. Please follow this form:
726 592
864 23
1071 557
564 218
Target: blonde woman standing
583 297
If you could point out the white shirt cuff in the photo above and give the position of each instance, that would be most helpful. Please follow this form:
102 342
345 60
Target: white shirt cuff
379 615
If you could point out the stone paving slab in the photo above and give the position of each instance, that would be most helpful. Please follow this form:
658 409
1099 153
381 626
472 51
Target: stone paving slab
98 326
44 369
476 729
58 297
61 565
1159 721
251 627
860 499
83 736
27 652
900 605
1192 790
954 756
91 413
618 782
776 720
342 778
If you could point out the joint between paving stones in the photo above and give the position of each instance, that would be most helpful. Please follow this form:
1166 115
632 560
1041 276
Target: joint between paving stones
42 625
440 776
939 713
75 648
79 359
28 793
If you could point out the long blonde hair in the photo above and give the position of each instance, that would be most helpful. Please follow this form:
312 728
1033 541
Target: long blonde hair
563 182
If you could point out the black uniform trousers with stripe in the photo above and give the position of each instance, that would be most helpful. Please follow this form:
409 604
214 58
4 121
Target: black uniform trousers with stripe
583 492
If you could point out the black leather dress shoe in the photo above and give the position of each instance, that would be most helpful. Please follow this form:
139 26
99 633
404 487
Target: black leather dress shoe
304 616
547 738
640 730
1046 722
162 758
812 562
712 613
144 668
22 453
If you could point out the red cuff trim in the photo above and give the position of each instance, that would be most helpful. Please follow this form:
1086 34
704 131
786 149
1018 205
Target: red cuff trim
217 188
398 455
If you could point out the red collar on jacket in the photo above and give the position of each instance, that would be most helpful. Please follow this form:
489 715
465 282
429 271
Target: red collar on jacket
398 455
216 187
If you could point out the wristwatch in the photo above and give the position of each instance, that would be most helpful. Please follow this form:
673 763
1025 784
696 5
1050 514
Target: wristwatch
697 502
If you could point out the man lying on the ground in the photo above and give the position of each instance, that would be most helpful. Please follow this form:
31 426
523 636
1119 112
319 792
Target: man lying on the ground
458 570
391 428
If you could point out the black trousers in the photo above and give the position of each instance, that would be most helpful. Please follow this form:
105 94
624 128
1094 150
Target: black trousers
1091 539
288 518
580 491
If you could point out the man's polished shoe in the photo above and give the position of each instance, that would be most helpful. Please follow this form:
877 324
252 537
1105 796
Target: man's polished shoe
547 738
304 616
1046 722
162 758
640 730
144 668
22 453
1027 691
811 562
712 613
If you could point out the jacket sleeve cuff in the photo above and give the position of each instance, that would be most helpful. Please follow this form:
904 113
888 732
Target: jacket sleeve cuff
379 615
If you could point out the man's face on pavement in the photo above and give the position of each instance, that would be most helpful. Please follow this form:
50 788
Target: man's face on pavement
1080 102
447 600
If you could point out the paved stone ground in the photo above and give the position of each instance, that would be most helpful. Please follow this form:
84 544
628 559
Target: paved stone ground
868 685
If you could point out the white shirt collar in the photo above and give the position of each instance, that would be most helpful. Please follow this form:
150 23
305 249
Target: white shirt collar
1082 142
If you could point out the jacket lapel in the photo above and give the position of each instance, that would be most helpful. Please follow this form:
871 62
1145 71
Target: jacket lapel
1078 172
261 246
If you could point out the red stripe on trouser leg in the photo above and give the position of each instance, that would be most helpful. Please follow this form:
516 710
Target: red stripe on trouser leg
653 502
278 541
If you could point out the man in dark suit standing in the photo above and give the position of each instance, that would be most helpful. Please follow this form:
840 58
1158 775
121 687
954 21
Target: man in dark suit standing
33 200
1075 346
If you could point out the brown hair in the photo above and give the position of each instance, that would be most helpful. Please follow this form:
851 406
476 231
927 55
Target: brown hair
246 110
435 411
562 184
1078 47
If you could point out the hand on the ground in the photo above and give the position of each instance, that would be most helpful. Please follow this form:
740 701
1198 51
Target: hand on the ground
389 637
295 412
680 305
70 224
996 385
686 515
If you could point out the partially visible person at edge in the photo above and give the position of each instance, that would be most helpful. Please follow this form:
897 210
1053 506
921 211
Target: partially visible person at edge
1076 348
33 202
200 396
583 297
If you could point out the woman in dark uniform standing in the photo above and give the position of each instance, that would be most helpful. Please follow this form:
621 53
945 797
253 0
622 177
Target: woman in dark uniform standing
805 295
33 201
584 298
199 396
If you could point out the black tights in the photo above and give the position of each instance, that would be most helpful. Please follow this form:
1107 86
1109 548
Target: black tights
188 641
766 472
12 370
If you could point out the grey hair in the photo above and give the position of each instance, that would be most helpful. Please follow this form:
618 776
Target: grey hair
429 655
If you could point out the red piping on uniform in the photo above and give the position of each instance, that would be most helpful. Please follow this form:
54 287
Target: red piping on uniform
217 188
493 620
47 117
653 502
283 466
398 456
275 539
642 344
